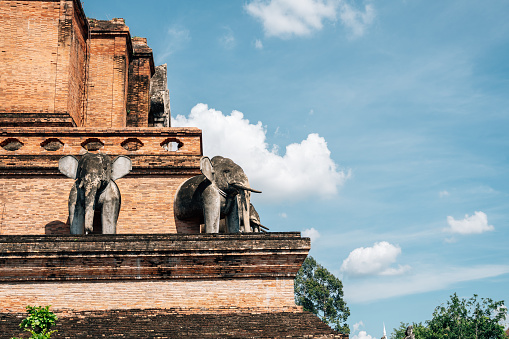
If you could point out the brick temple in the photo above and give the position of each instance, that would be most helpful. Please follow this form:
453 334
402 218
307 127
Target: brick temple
71 85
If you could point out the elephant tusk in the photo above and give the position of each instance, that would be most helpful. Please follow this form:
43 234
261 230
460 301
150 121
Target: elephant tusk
242 187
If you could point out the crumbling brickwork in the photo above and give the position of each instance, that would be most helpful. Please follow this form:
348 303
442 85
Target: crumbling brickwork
159 115
211 272
173 324
141 69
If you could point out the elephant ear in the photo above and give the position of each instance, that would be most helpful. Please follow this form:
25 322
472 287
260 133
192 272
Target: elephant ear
120 167
68 166
206 168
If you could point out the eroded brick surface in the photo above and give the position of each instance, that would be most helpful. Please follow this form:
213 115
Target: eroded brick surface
191 272
170 324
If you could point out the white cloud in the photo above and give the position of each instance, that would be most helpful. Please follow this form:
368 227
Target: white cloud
475 224
284 18
287 18
356 326
362 335
374 260
306 169
283 215
355 20
421 282
176 38
258 44
311 233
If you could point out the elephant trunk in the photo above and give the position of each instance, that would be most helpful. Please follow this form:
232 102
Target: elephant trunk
90 199
244 202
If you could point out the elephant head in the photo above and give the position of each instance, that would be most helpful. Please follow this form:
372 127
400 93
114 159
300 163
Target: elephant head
94 190
221 191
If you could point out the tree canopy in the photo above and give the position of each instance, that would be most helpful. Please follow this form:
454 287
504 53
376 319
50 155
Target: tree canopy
462 319
320 292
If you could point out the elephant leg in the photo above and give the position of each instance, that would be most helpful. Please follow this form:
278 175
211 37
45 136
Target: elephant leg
76 212
211 209
232 218
110 208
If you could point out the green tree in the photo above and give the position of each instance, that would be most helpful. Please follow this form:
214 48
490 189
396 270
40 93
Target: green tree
461 319
420 331
468 318
320 292
39 321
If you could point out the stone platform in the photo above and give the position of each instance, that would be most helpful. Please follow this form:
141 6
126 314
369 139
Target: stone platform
201 273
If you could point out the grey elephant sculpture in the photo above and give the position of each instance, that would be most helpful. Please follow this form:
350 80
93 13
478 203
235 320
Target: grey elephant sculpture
94 190
254 220
222 191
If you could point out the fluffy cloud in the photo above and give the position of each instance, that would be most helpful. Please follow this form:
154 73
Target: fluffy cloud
362 335
286 18
356 21
311 233
306 169
358 325
374 260
477 223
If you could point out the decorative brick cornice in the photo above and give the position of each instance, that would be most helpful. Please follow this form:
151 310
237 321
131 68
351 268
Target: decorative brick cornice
151 257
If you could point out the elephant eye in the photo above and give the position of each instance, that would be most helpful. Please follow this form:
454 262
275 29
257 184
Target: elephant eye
226 171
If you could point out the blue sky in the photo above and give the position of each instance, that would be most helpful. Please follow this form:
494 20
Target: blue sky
378 128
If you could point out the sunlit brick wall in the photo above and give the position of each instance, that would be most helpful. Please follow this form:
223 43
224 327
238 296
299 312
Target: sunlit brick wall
110 53
231 295
42 57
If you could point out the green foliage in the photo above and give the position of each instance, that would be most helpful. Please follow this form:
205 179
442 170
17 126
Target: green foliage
39 321
461 319
468 318
320 292
420 331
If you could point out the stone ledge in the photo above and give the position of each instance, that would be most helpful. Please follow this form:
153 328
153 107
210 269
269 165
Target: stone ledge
151 257
143 165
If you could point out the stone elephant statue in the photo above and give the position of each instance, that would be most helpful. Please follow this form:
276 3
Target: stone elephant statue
222 191
94 190
254 220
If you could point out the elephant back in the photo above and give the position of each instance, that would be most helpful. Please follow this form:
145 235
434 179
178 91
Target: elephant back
188 199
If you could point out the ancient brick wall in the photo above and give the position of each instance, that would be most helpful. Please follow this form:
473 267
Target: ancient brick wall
38 205
78 68
42 53
187 295
141 69
171 324
193 273
110 54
